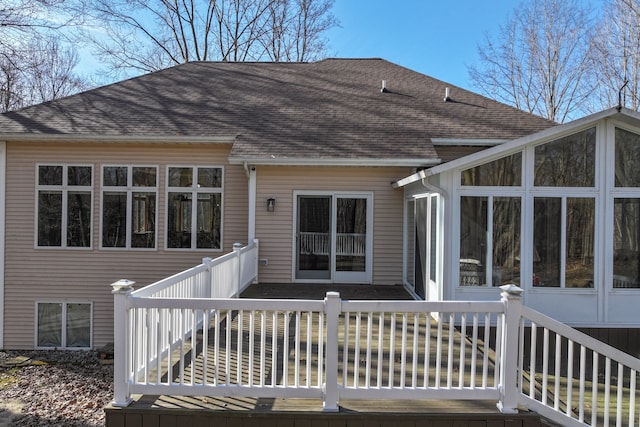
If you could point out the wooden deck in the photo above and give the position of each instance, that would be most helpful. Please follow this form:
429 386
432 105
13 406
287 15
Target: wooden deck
234 411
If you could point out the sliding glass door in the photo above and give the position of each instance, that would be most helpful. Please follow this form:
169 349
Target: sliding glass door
334 238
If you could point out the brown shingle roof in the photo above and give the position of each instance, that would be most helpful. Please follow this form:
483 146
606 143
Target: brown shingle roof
321 111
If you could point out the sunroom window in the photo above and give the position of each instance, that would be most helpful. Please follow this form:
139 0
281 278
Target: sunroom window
567 162
63 325
627 170
626 243
194 207
506 171
129 206
563 242
489 240
64 205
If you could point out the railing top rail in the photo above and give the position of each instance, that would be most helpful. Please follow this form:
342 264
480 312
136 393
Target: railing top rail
581 338
158 286
153 288
423 306
229 304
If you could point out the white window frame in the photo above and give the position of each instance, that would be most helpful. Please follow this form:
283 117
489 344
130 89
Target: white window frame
63 326
129 189
64 188
194 190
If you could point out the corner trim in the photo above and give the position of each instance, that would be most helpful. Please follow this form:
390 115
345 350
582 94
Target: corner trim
3 184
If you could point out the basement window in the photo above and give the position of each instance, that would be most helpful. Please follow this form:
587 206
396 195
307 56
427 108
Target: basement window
63 325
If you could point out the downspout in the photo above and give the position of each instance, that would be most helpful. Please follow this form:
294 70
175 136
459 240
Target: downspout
433 187
3 186
251 226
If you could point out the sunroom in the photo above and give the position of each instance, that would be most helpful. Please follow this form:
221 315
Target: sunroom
556 213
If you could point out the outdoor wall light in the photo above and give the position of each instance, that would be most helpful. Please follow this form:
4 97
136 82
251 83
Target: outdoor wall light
271 204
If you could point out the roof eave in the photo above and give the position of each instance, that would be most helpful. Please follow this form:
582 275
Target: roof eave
164 139
386 162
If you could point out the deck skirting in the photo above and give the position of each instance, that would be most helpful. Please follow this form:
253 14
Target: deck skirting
305 413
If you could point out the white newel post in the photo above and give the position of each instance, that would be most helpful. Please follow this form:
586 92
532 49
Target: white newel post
121 330
509 391
237 247
256 260
332 313
209 280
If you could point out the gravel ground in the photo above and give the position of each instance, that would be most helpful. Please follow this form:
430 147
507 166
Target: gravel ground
53 388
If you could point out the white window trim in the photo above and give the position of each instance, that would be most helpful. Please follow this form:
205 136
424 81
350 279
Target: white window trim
64 188
129 189
63 326
194 190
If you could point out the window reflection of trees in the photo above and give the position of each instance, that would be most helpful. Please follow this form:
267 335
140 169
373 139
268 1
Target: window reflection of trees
626 243
626 212
567 162
506 240
574 243
506 171
64 206
504 247
627 163
200 193
580 242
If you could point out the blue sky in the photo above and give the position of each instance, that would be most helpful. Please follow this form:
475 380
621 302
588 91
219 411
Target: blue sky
435 37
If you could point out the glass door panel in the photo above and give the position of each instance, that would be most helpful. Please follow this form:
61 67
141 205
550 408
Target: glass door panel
352 239
313 242
351 234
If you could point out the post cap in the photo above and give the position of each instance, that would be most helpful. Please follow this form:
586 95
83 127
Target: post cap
512 289
123 285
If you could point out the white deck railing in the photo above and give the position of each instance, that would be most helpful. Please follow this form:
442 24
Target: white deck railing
334 349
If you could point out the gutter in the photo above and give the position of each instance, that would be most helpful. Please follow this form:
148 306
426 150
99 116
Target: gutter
314 161
156 139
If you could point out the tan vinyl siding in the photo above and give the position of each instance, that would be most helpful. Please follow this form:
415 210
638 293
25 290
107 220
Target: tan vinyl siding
275 229
85 274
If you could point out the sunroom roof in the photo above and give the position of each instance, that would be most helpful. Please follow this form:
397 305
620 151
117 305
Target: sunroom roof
623 114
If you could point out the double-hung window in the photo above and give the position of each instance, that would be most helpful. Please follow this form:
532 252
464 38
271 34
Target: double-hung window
129 196
64 200
194 207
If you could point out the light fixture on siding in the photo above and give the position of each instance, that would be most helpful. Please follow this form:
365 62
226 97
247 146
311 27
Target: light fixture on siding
271 204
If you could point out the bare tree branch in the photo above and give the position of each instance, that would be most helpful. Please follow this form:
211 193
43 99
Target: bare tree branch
542 62
616 55
141 35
